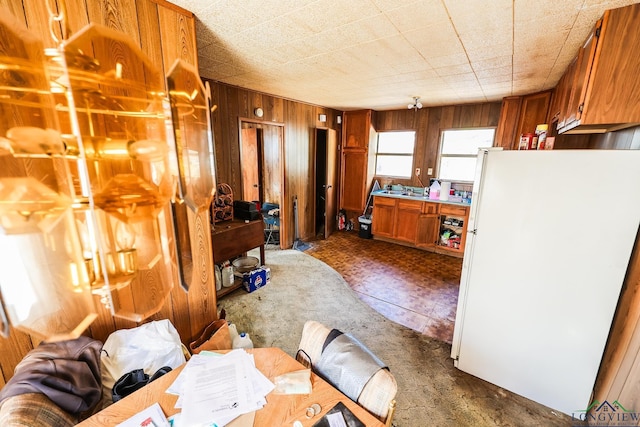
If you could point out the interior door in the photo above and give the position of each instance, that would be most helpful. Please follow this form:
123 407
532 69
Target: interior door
250 164
331 179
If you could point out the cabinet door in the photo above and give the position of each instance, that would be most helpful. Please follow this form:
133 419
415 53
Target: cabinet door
384 217
354 172
580 80
507 124
428 228
533 112
356 129
407 215
613 93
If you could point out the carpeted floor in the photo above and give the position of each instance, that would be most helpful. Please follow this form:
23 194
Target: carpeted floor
431 391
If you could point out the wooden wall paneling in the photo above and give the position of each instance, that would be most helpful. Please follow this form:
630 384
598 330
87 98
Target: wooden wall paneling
617 367
421 151
178 36
221 131
14 7
277 109
272 137
36 17
298 180
493 114
244 105
202 300
149 33
231 112
118 15
465 116
432 141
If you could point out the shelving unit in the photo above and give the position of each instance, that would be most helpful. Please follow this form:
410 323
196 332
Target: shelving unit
453 230
223 204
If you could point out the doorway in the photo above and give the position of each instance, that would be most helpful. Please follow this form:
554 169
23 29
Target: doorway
261 148
326 155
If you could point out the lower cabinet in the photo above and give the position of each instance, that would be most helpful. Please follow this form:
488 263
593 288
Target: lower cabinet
453 229
407 214
384 216
428 226
437 227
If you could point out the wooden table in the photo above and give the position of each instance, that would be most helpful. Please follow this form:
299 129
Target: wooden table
230 239
280 410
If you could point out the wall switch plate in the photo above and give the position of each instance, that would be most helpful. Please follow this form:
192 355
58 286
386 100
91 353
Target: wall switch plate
430 171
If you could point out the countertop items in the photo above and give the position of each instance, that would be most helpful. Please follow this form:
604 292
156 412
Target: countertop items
400 194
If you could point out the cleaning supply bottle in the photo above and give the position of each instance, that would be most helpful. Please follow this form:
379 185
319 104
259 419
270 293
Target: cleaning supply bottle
233 331
227 274
242 341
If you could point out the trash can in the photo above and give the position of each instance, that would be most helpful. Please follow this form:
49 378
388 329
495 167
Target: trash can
365 227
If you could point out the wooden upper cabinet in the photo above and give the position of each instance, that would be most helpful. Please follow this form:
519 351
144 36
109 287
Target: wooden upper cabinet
580 78
508 123
356 129
358 159
533 112
605 91
521 114
560 105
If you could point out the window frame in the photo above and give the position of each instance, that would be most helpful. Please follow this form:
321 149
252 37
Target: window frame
412 154
467 156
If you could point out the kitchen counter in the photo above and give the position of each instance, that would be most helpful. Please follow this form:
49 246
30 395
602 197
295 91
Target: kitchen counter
396 194
433 225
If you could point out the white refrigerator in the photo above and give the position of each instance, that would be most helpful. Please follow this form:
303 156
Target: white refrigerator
550 237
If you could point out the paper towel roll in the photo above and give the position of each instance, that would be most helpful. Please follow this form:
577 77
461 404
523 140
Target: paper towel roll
445 187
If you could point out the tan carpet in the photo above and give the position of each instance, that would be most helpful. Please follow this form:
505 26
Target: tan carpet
431 391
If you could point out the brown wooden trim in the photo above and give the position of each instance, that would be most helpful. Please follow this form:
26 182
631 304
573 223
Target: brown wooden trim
176 8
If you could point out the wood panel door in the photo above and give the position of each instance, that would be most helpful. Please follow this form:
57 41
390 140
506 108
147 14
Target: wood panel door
250 164
325 196
331 204
272 167
354 171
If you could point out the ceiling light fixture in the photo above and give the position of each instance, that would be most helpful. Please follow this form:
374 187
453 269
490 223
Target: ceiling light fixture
416 104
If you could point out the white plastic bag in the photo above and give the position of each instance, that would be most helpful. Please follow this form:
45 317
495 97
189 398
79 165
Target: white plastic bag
149 347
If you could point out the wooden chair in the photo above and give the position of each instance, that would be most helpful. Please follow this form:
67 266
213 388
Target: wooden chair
378 395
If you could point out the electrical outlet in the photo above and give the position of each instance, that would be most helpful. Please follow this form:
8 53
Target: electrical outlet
417 171
430 171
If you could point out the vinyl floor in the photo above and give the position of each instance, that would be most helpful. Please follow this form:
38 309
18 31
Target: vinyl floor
415 288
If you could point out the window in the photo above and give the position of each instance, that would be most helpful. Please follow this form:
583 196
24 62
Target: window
459 150
394 156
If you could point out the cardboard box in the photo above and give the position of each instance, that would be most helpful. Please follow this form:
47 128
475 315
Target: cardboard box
256 279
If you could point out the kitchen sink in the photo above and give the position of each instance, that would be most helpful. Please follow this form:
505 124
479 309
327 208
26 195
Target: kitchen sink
400 192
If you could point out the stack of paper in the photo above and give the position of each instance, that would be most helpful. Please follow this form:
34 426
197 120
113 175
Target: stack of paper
214 389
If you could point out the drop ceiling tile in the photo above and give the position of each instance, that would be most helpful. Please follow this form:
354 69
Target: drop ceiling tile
492 62
505 71
448 60
454 70
418 15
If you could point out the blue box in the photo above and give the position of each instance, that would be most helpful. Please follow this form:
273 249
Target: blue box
256 279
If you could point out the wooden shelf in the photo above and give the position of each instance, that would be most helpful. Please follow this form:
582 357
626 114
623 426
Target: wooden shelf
237 283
